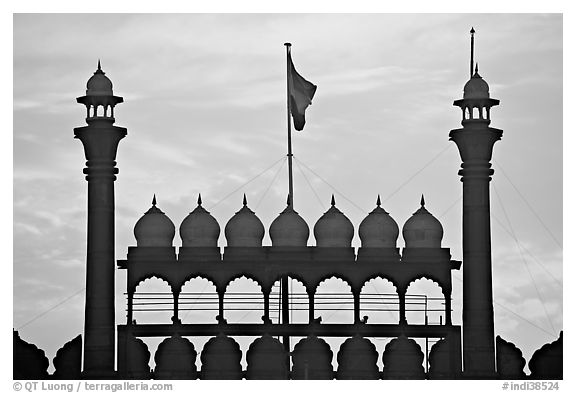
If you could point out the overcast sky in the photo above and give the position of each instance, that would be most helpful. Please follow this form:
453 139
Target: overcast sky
205 109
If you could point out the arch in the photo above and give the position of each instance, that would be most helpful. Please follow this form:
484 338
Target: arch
379 301
299 301
148 276
330 276
151 303
203 276
241 303
336 305
293 275
247 276
426 304
198 301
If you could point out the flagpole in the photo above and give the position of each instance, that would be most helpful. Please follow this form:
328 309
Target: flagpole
284 280
288 76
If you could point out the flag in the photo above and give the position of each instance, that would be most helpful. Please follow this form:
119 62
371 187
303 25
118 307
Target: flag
301 93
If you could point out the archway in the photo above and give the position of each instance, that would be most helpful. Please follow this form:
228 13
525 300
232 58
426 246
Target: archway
243 301
425 305
299 304
334 302
198 301
379 302
153 302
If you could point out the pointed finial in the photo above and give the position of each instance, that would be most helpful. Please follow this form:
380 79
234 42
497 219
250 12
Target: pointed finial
154 200
244 202
472 31
422 201
471 50
476 69
199 199
99 68
333 202
288 200
378 201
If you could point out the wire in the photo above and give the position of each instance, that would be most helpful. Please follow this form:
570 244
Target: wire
526 250
417 173
51 308
529 205
309 184
334 188
246 183
271 183
524 260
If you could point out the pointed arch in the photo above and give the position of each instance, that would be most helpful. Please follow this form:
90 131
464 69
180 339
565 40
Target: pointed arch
153 300
243 300
198 300
379 301
425 301
299 301
334 300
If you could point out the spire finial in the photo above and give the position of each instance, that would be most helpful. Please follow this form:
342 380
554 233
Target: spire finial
244 202
422 200
99 68
333 202
154 200
199 199
472 31
378 201
288 202
476 69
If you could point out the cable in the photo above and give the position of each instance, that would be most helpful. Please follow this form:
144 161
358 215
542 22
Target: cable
524 260
271 183
334 188
525 249
51 308
309 184
530 206
246 183
417 173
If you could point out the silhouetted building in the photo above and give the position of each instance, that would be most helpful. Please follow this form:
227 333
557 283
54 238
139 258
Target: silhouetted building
290 256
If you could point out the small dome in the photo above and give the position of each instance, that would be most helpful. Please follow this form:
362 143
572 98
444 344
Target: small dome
378 229
244 229
476 87
99 84
154 229
199 228
333 229
289 229
422 230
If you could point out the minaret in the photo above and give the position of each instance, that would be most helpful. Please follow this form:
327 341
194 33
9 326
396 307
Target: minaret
100 139
475 142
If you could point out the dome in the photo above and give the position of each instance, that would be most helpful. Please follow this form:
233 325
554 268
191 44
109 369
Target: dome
333 229
289 229
154 228
476 87
99 84
244 229
422 230
378 229
199 228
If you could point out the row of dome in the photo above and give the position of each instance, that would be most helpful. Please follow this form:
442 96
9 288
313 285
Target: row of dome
244 229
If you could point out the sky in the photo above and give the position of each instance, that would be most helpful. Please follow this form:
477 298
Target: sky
205 109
